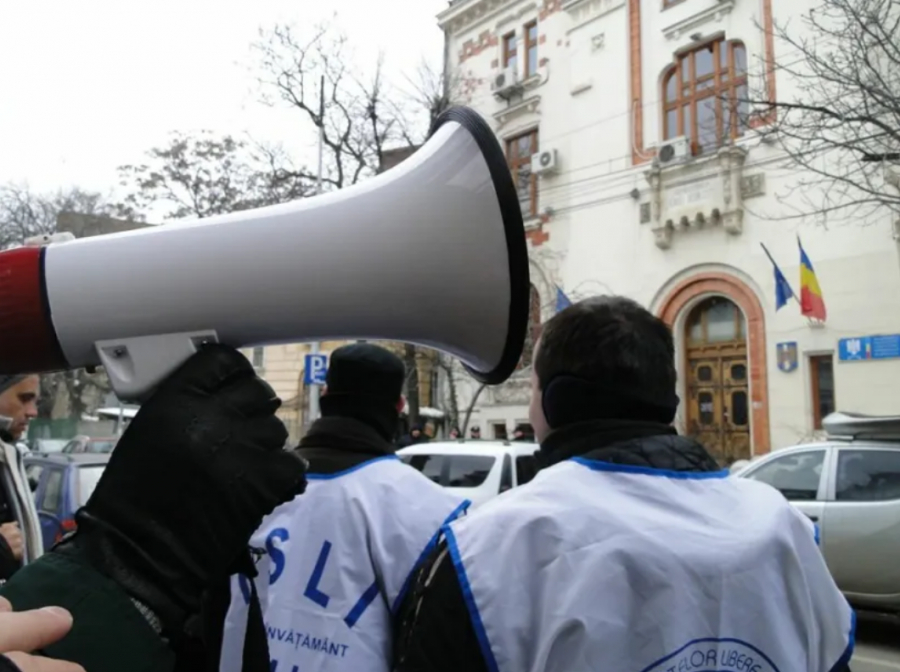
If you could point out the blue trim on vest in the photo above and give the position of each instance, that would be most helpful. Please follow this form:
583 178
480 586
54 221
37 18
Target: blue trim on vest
816 534
469 598
457 512
844 660
329 477
597 465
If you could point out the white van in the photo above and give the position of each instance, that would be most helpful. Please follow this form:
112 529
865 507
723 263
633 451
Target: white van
474 469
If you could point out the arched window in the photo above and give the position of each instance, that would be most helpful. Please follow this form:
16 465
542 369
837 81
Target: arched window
705 95
534 329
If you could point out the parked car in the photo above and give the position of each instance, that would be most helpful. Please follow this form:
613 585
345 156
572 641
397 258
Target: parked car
90 444
476 470
62 484
849 486
46 446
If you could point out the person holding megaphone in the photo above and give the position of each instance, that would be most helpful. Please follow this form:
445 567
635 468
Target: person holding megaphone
190 481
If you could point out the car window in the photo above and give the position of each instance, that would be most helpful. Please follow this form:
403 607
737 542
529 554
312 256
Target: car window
429 465
868 475
506 482
71 447
796 475
53 492
88 477
33 472
526 468
100 446
468 471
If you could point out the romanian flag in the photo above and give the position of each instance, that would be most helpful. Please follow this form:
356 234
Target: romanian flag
811 302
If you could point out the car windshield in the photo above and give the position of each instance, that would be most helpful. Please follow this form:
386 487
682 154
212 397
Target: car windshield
453 471
88 477
50 445
100 446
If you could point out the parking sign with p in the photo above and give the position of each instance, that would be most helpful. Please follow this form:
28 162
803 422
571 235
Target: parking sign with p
315 369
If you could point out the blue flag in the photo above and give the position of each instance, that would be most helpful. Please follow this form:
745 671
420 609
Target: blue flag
783 291
562 301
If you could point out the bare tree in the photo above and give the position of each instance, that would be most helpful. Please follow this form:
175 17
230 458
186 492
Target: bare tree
206 174
841 128
360 119
25 213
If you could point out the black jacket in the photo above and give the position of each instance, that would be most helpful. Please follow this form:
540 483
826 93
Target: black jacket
434 630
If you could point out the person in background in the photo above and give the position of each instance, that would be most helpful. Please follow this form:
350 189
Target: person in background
415 436
475 432
339 558
20 529
523 432
631 549
455 433
190 480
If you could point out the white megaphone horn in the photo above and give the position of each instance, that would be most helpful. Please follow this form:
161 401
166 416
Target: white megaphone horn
431 252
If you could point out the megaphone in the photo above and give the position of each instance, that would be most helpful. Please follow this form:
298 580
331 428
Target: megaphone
431 252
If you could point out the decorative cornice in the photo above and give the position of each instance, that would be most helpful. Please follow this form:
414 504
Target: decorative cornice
684 25
467 13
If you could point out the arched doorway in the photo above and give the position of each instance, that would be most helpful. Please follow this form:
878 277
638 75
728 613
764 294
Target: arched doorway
717 379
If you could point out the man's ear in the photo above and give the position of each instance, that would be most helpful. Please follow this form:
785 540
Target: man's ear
401 404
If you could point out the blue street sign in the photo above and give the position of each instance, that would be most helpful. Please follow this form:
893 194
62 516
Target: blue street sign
864 348
314 370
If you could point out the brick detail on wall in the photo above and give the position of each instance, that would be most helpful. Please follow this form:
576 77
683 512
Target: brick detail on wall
549 7
542 39
473 48
537 236
730 286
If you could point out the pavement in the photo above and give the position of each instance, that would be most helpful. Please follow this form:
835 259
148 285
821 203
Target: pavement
877 645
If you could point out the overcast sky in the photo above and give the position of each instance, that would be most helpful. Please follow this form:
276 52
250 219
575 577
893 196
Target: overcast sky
88 85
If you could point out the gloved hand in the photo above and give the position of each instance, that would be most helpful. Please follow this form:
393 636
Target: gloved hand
187 485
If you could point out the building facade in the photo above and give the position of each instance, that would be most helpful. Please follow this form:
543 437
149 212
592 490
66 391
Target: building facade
641 174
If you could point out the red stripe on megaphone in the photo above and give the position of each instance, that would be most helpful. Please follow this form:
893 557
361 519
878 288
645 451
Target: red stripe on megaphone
28 341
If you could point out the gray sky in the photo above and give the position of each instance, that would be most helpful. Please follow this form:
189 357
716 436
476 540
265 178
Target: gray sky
88 85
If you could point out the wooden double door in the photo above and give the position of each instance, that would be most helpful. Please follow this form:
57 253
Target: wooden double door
718 385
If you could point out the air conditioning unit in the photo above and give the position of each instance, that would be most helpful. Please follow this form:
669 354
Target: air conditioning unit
544 162
676 150
506 83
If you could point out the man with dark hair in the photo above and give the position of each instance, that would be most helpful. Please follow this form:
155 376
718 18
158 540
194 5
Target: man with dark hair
338 560
20 528
631 549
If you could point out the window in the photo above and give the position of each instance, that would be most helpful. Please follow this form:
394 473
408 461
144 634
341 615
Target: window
821 374
519 151
88 477
429 465
53 492
510 55
868 475
99 446
468 471
531 49
499 429
796 475
526 468
715 320
705 95
33 474
259 357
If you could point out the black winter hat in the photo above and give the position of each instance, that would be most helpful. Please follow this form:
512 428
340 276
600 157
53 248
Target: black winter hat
365 369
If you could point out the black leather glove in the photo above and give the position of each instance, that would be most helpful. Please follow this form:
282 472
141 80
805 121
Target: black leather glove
187 485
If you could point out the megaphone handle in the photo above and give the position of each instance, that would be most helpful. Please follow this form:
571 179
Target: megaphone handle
136 366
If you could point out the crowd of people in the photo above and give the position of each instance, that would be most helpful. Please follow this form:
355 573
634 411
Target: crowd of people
630 550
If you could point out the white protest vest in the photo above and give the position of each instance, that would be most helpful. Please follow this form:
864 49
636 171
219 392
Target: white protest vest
338 560
594 567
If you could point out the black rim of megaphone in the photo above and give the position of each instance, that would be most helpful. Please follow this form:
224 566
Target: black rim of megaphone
516 247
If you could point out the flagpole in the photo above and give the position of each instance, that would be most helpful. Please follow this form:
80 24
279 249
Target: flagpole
769 255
